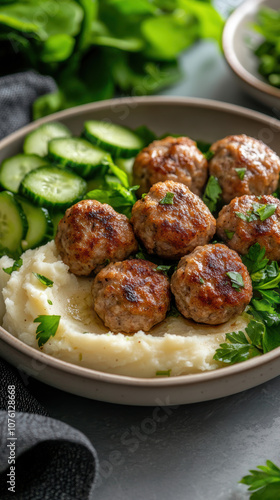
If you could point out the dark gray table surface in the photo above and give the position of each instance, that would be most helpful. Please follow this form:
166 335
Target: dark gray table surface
197 451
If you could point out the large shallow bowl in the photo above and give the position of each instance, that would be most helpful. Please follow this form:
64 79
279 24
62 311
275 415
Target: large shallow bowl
240 56
200 119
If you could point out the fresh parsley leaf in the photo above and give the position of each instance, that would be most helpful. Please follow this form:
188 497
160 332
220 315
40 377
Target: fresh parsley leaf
258 212
203 146
167 199
116 195
212 193
167 270
163 373
47 328
239 348
236 280
45 281
140 255
255 259
271 296
15 267
144 195
229 234
265 211
242 216
209 155
241 173
265 482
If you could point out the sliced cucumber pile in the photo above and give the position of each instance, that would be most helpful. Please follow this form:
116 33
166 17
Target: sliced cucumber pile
77 154
40 226
37 141
53 187
13 225
14 169
55 171
118 140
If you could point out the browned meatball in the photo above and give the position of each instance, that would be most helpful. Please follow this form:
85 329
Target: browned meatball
176 159
172 230
92 233
260 166
203 290
240 224
131 296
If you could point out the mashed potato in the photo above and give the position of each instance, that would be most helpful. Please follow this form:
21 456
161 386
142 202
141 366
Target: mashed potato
176 344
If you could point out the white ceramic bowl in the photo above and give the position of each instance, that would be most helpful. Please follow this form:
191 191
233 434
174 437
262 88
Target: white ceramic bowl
200 119
240 56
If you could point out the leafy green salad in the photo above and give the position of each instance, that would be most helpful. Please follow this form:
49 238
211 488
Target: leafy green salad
96 49
268 51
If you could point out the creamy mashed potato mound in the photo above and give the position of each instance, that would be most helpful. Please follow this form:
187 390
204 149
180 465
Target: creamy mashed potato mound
176 344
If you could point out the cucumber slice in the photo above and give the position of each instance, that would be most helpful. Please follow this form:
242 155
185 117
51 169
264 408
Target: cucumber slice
13 225
77 154
53 187
14 169
37 141
40 226
118 140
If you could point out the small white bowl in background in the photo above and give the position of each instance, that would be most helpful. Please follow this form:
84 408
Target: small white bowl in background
240 56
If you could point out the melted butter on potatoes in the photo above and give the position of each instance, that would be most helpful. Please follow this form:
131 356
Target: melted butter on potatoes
176 343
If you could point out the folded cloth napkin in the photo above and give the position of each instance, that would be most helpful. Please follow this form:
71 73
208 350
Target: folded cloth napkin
40 458
17 94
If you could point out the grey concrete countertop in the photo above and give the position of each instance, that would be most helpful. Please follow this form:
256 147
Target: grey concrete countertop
198 451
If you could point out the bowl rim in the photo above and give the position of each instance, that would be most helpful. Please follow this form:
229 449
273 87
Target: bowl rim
123 380
250 6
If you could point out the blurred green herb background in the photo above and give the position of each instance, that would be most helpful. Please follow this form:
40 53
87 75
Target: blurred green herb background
268 52
98 49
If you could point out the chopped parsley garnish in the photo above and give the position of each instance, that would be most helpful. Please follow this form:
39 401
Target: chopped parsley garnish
229 234
144 195
265 482
209 155
266 211
140 255
236 280
50 302
168 199
163 373
263 332
45 281
201 280
212 193
167 270
15 267
258 212
241 173
47 328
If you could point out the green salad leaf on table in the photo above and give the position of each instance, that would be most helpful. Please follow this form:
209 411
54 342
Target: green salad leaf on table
265 482
95 49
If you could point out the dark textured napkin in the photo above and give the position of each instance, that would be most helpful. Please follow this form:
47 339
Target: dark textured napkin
53 461
17 94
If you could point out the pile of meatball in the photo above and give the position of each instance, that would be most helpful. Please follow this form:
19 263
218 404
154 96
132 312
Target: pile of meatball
170 221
